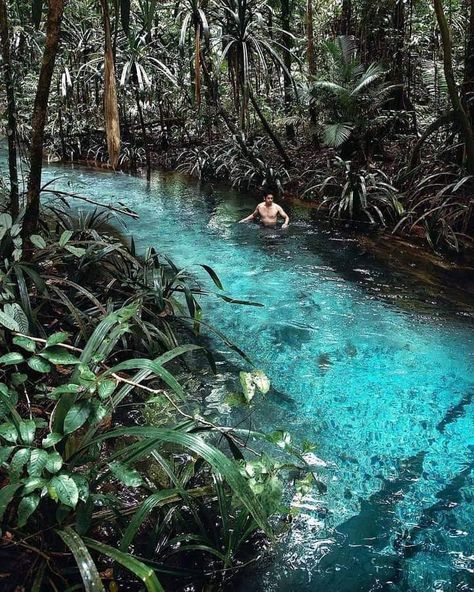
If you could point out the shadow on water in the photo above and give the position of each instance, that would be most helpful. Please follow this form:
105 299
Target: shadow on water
456 412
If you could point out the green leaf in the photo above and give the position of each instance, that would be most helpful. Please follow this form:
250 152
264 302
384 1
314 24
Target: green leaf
8 322
261 381
25 343
157 499
64 388
87 568
65 489
39 364
8 432
33 483
6 495
5 452
18 461
11 358
76 417
38 461
82 486
56 338
128 476
38 241
51 440
19 378
65 236
106 388
142 571
27 431
54 462
59 355
26 508
213 275
77 251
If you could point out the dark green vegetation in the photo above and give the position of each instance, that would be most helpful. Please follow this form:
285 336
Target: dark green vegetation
367 108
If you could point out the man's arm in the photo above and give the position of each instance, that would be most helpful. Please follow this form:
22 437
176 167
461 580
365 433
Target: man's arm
285 217
252 216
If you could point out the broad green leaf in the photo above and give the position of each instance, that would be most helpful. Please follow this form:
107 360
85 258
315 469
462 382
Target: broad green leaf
9 322
58 355
76 417
6 495
65 236
56 338
213 275
82 486
26 508
11 358
27 430
33 483
142 571
106 388
39 364
51 440
9 432
54 462
38 461
38 241
64 388
64 489
77 251
18 461
5 452
64 404
128 476
19 378
87 568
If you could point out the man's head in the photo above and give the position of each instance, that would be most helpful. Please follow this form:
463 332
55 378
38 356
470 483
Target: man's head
268 198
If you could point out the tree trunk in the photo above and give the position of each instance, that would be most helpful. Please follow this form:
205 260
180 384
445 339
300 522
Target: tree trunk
346 18
468 86
53 27
11 110
287 43
270 132
461 115
310 51
112 122
145 141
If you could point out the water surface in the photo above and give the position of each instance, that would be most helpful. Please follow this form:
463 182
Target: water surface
378 374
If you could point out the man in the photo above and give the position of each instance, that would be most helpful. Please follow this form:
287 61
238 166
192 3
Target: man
268 213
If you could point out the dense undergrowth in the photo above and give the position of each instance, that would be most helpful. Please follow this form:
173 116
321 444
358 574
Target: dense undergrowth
92 495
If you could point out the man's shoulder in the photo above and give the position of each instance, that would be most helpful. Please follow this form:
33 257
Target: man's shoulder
261 204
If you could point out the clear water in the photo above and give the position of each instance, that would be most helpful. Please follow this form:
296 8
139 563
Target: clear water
380 377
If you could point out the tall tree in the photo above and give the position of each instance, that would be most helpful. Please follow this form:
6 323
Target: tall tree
468 86
53 27
287 43
461 115
112 122
310 51
11 109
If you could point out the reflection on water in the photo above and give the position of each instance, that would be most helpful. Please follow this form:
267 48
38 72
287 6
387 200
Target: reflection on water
377 374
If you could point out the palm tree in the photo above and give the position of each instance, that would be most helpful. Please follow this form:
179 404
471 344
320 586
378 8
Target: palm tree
352 95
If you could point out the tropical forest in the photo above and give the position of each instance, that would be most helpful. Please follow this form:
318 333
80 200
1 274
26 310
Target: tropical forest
237 296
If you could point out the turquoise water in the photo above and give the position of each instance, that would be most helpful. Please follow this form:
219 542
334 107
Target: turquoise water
375 374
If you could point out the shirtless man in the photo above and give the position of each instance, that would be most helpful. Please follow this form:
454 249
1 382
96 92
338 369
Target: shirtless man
268 213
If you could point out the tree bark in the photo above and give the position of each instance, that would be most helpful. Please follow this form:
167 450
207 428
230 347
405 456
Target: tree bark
287 43
462 117
310 51
53 27
468 86
112 122
11 110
